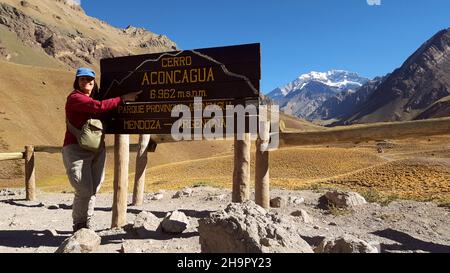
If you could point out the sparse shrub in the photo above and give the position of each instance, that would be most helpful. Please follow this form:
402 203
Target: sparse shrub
445 204
336 211
388 199
316 187
201 184
373 196
160 182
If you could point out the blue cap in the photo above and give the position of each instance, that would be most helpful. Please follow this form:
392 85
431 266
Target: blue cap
87 72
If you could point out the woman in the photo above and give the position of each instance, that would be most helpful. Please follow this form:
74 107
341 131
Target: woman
86 169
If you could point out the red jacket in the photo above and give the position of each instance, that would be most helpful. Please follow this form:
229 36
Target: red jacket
80 108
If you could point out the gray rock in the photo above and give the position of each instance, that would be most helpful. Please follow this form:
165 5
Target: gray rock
345 244
303 215
145 223
51 232
278 202
83 241
53 206
157 196
129 247
114 231
342 199
296 200
6 192
219 197
248 228
183 193
376 245
175 222
65 206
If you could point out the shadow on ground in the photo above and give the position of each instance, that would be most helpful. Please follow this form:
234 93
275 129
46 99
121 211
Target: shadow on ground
407 242
30 238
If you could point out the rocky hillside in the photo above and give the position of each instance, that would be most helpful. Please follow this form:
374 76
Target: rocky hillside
343 103
303 96
58 34
423 79
439 109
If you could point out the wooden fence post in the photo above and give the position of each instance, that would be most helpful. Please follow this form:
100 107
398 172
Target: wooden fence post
262 179
121 158
30 182
141 165
241 172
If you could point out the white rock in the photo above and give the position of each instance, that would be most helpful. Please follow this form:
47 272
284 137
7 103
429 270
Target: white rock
157 196
249 228
145 223
303 215
83 241
186 192
175 222
219 197
296 200
342 199
345 244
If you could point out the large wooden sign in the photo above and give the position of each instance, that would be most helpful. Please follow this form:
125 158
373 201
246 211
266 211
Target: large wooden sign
221 76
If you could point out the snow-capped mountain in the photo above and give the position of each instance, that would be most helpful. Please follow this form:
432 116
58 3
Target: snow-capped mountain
305 94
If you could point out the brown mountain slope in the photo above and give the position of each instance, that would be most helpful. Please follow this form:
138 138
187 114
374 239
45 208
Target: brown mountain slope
423 79
439 109
32 108
65 33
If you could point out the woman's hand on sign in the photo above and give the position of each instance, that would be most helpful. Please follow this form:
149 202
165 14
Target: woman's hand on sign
131 96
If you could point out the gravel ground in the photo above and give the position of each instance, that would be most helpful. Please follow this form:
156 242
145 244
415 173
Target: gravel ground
41 226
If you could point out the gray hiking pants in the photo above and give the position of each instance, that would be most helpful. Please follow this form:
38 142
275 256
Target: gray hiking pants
86 172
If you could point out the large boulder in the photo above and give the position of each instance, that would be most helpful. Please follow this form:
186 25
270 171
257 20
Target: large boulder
82 241
145 223
175 222
345 244
342 199
249 228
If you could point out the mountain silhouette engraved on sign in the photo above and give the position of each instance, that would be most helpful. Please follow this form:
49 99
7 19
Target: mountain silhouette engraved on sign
223 67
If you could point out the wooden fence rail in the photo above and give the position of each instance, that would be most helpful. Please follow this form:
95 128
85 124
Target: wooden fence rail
10 156
241 175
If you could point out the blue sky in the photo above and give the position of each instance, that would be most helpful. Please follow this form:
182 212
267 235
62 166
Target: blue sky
296 36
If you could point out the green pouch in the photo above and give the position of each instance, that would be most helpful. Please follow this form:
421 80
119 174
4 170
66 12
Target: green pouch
90 136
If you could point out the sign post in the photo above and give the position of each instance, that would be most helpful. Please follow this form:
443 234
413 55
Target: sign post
219 76
203 83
